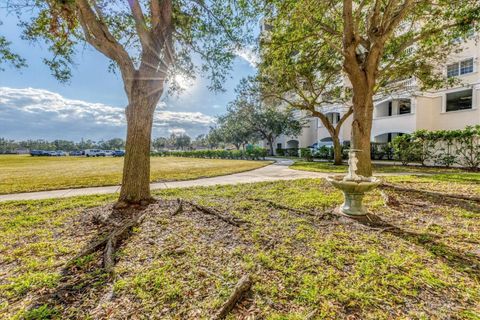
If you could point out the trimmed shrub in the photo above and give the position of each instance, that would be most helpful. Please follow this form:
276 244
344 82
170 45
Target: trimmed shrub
306 154
255 153
442 147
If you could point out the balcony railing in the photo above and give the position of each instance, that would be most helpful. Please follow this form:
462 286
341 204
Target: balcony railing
401 86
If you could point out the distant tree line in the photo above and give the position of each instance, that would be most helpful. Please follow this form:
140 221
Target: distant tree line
173 142
10 146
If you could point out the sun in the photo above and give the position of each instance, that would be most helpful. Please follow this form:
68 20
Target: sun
184 82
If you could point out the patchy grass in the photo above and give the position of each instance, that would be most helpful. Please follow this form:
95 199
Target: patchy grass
423 265
378 168
26 173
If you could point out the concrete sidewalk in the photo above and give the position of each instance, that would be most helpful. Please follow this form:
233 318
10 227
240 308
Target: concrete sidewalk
273 172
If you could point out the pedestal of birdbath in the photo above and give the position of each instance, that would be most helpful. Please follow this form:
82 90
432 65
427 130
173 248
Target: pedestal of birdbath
353 192
353 187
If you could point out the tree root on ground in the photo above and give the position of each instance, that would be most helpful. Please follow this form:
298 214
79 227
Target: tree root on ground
179 208
242 287
283 207
210 211
110 243
431 193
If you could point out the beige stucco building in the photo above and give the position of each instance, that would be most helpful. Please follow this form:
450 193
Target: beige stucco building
410 109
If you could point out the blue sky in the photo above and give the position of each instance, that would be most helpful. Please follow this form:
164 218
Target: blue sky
33 105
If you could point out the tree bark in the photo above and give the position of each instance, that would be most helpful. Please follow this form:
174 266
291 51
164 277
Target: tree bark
337 150
272 152
136 169
361 129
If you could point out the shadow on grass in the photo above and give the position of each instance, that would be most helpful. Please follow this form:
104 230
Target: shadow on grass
85 281
466 263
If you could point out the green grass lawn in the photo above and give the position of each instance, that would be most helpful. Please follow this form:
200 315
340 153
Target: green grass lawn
378 168
424 265
26 173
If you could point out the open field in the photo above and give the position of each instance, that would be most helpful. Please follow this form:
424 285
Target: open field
418 258
377 168
26 173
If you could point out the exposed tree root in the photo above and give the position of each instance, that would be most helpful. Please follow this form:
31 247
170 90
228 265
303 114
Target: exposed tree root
283 207
179 208
389 199
230 220
114 240
122 204
110 243
242 287
432 193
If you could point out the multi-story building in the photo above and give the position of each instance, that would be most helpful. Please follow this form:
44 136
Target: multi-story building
409 109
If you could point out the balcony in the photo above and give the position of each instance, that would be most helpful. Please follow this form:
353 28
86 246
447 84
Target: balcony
398 87
401 123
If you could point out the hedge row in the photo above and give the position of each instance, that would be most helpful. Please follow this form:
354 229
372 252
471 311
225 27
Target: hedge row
249 154
442 148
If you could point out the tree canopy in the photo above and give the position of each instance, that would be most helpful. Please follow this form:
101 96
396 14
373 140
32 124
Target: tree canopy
149 42
377 43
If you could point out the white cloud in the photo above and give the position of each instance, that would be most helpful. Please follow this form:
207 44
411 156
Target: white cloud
177 131
248 54
37 113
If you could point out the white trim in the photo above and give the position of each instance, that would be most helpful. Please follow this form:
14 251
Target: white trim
395 116
459 63
444 99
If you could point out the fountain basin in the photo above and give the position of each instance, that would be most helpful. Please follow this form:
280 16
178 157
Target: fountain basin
354 191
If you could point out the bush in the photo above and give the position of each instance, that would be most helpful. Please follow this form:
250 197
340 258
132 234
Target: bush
324 153
306 154
442 147
255 153
406 150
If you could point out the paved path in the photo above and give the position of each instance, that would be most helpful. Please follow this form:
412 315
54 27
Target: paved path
276 171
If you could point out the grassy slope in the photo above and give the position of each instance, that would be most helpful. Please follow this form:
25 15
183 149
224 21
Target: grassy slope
330 168
186 266
25 173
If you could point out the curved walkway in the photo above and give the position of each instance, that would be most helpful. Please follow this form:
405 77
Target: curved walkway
278 171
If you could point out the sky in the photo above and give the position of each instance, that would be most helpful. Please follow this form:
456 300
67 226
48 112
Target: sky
34 105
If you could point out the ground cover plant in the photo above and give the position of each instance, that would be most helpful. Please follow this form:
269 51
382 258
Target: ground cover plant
417 257
25 173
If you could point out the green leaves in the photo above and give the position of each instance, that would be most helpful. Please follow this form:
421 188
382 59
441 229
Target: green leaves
8 56
202 37
441 147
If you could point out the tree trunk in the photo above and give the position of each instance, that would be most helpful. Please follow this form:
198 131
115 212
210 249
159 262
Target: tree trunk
337 151
136 169
361 129
272 152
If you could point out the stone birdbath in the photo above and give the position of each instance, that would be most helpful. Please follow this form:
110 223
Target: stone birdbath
353 187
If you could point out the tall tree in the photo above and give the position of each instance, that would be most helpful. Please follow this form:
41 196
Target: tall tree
266 120
181 141
378 42
234 130
149 42
307 76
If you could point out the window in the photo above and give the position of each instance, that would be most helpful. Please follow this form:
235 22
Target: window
279 146
404 106
466 66
452 70
459 68
459 100
333 117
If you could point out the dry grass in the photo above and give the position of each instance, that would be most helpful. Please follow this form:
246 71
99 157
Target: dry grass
421 262
26 173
